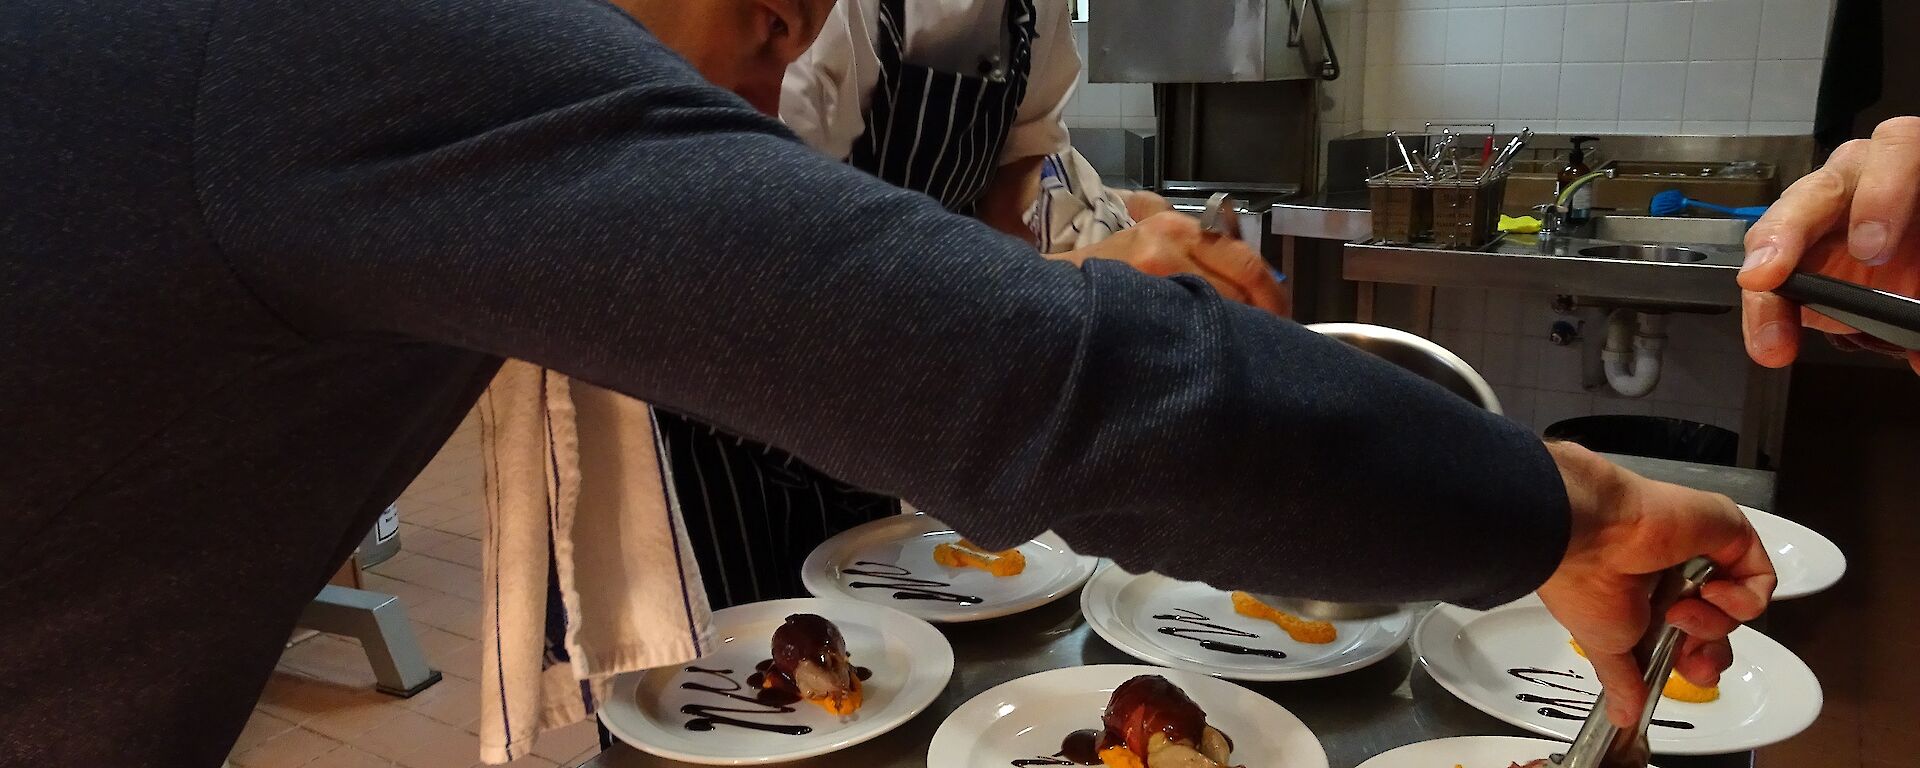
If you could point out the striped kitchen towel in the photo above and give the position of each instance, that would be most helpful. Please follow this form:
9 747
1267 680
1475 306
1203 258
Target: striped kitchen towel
588 572
1074 209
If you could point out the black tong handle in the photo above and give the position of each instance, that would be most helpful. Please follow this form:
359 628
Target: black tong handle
1889 317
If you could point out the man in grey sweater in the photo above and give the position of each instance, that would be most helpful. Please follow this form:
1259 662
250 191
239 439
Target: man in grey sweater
260 256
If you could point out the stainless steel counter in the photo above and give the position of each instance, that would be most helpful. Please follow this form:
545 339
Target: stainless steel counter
1520 262
1356 716
1339 216
1559 265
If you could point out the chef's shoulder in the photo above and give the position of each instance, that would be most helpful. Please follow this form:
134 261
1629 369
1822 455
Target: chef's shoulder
482 52
319 102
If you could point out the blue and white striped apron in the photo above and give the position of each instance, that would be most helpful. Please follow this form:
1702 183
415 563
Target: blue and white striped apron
941 132
754 512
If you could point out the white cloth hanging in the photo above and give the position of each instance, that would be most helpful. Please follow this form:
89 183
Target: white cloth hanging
588 573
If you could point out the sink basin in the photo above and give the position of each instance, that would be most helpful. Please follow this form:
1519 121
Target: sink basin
1662 253
1670 229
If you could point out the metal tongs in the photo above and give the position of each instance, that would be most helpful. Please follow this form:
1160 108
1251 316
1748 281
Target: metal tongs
1889 317
1602 745
1220 215
1413 163
1504 158
1441 154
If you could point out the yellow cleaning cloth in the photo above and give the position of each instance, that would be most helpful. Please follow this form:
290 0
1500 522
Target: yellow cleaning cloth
1524 225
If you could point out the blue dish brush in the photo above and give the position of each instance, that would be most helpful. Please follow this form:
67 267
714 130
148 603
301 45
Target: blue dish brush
1672 202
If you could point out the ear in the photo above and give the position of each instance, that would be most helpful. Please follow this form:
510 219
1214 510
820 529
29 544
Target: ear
789 26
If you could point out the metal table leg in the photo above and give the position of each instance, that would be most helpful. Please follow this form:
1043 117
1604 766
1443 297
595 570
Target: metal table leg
380 623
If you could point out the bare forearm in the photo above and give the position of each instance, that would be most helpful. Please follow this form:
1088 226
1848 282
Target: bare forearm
1004 203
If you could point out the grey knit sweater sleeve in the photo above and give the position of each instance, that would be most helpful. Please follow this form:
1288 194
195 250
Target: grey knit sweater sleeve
541 179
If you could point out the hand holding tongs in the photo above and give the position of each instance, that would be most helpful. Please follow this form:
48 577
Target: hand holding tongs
1602 745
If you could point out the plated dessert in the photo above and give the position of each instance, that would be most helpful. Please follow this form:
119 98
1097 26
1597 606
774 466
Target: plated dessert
1150 723
810 662
920 565
1514 663
784 680
1123 716
1192 626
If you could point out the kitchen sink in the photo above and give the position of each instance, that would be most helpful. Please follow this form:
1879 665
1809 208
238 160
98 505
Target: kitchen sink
1681 272
1670 254
1670 229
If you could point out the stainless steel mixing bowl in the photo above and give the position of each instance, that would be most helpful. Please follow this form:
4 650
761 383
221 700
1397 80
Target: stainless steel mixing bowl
1430 361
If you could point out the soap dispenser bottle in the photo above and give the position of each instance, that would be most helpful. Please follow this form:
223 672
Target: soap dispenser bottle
1580 207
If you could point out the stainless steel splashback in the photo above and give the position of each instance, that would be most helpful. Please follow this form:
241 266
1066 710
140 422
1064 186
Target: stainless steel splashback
1262 133
1207 41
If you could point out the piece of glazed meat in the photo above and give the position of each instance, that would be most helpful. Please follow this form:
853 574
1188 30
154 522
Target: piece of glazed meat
810 659
1151 723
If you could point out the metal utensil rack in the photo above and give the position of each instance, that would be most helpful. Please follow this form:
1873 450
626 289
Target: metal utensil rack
1438 197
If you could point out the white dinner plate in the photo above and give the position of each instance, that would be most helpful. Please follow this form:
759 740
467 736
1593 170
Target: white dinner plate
1806 561
1027 719
890 562
1467 752
1191 626
659 710
1508 661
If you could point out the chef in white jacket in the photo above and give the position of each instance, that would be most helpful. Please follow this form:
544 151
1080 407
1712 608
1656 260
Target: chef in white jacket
962 100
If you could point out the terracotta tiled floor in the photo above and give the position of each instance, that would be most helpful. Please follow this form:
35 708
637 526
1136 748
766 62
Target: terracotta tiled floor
320 709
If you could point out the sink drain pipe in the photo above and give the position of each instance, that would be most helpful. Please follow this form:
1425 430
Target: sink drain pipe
1632 355
1593 374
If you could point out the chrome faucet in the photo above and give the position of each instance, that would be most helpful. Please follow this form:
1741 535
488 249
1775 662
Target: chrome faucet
1553 216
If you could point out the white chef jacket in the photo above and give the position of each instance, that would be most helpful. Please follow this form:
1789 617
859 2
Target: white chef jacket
825 96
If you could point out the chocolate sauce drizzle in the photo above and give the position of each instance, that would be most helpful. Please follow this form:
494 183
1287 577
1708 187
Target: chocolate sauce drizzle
906 586
1535 674
1569 709
1078 748
1200 626
769 701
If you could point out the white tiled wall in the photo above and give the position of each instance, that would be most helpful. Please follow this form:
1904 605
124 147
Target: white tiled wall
1628 66
1342 102
1633 66
1130 105
1503 334
1107 105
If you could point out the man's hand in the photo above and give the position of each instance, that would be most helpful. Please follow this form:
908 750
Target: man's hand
1142 203
1627 530
1172 243
1856 219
